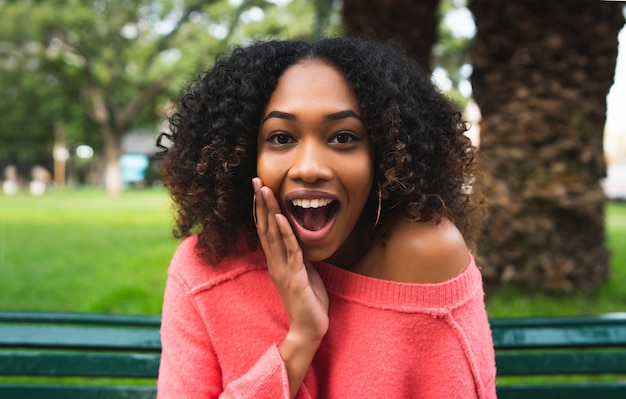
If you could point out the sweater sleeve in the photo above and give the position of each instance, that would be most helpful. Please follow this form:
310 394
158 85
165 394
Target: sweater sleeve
190 368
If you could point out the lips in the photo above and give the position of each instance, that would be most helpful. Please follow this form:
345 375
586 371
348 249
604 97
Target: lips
313 214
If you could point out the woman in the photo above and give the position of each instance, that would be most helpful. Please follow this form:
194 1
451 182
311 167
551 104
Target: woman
345 270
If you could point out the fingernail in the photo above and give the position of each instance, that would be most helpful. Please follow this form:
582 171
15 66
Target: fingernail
254 184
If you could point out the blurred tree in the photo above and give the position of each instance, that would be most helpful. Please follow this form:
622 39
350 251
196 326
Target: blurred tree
423 29
32 105
452 52
86 65
100 69
411 24
542 70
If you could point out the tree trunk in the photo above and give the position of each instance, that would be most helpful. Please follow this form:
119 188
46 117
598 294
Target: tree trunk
542 70
59 156
112 138
411 24
112 168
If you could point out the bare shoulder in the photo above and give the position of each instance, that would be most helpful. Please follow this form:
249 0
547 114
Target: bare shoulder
425 252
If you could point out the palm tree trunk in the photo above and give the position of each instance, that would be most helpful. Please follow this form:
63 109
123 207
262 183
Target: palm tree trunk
542 70
410 24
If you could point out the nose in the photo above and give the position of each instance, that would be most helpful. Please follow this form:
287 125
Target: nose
311 162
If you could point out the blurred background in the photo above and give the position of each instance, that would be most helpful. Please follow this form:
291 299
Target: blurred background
85 89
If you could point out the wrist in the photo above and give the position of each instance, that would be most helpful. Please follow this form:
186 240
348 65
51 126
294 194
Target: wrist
297 352
302 342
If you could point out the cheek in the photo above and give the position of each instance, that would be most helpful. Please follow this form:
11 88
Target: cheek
358 174
269 170
260 165
363 169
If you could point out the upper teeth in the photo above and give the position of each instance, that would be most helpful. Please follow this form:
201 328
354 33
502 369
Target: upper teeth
311 203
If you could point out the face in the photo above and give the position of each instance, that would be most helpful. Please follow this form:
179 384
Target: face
315 154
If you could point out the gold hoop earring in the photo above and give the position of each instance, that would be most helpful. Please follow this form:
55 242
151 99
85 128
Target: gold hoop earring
380 201
254 208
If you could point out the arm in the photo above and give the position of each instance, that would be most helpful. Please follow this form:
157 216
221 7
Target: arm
189 365
186 349
300 287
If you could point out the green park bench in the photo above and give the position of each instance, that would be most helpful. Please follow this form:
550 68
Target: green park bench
561 357
66 355
105 356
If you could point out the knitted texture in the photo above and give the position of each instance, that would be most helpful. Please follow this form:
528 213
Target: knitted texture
222 324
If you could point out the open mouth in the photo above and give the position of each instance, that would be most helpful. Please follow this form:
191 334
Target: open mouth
314 214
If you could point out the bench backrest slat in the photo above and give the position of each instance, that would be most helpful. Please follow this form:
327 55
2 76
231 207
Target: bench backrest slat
80 318
79 337
552 391
34 363
15 391
579 362
570 332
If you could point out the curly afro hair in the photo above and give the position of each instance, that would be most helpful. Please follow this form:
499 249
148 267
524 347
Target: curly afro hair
424 164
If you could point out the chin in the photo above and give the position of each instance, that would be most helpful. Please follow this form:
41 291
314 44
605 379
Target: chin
316 255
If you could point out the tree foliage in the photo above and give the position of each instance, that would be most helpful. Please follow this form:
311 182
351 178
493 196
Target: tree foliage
102 68
452 52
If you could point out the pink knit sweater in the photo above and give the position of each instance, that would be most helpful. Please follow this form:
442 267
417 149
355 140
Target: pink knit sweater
221 326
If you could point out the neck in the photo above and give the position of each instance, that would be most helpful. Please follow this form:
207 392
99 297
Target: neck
354 248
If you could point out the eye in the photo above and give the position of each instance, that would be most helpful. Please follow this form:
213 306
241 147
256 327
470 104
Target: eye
344 138
280 138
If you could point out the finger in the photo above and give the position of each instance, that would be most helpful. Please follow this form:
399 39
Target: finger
273 206
265 206
256 185
269 234
292 247
272 233
260 212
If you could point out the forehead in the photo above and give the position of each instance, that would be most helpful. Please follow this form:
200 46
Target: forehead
312 82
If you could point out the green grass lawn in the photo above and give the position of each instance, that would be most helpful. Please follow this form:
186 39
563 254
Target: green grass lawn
84 251
80 250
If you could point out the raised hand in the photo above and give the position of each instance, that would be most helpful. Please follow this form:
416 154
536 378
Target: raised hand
299 285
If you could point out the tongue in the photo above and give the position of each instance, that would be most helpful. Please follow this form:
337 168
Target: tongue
313 219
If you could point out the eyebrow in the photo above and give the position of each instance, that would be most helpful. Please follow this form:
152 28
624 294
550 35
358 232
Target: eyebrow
330 117
279 114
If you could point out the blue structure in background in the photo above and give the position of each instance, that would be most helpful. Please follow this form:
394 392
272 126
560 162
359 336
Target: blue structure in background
133 167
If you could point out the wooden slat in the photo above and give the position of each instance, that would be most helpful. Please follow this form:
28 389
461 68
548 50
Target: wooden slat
558 332
80 318
79 364
546 363
78 337
15 391
618 318
573 391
